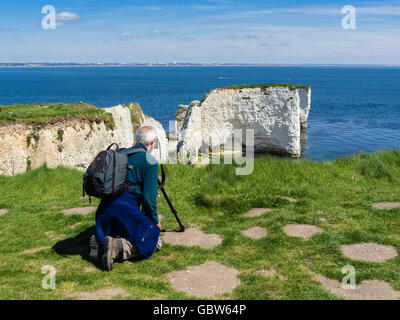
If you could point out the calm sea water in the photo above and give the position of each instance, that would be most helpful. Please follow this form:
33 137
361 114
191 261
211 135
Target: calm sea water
353 108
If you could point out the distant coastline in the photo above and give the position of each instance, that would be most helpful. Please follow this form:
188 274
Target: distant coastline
175 64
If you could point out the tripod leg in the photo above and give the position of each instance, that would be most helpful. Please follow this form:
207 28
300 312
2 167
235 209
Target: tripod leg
182 228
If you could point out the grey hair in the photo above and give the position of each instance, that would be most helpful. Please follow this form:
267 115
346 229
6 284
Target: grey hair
145 135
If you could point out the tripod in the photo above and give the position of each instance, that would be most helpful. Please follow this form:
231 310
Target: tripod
175 213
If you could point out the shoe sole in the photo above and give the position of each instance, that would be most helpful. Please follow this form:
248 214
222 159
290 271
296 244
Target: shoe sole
108 247
94 249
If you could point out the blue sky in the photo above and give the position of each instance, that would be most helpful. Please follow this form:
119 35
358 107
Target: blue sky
300 31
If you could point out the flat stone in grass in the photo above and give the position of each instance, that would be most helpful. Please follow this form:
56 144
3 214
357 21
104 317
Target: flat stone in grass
102 294
304 231
366 290
386 205
75 225
289 198
53 236
3 211
90 269
34 250
255 233
257 212
206 280
80 210
372 252
193 237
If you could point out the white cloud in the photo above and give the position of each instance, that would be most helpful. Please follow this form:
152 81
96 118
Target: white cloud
128 34
67 16
157 31
392 10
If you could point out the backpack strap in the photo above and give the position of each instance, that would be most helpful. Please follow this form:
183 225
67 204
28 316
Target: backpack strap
112 145
134 151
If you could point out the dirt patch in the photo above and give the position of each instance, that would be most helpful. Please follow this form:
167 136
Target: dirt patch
90 269
193 237
386 205
80 210
75 225
366 290
34 250
255 233
206 280
3 211
103 294
304 231
322 219
289 198
160 217
257 212
54 236
372 252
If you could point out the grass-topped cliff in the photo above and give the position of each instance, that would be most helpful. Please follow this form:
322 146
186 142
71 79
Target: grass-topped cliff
263 87
268 85
41 114
336 196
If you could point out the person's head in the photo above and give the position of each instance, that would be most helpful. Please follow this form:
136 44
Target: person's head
147 136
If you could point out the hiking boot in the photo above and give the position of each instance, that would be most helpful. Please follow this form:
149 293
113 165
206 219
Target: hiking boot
95 252
159 245
112 249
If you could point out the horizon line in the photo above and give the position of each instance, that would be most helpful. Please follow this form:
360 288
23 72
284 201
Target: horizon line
105 64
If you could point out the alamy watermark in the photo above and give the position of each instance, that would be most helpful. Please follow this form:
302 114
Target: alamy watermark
211 146
349 281
349 20
49 21
49 280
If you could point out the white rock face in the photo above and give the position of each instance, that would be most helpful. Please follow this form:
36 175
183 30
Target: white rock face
274 114
180 118
161 153
79 144
305 105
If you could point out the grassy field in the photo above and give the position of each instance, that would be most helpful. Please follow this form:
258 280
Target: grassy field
40 114
214 199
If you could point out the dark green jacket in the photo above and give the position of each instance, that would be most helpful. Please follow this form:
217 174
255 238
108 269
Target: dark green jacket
144 173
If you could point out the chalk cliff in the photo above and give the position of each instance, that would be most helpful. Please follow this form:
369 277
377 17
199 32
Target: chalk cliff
276 113
72 142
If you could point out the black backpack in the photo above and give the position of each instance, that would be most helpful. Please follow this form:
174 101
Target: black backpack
106 177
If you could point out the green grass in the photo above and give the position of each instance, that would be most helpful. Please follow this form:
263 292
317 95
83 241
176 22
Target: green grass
268 85
263 87
41 114
214 199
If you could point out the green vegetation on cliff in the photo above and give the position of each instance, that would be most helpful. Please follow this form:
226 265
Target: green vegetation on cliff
336 196
41 114
268 85
263 87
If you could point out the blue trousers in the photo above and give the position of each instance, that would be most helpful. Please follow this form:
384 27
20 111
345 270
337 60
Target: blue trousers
121 217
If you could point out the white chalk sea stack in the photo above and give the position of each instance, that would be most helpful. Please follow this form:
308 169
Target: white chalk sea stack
276 113
72 142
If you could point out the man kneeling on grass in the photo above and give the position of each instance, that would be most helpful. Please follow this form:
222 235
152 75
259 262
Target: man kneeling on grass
123 232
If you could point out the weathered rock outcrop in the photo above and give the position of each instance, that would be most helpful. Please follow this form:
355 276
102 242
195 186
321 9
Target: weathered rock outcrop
72 143
276 113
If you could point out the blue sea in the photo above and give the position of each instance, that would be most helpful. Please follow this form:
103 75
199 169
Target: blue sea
352 109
